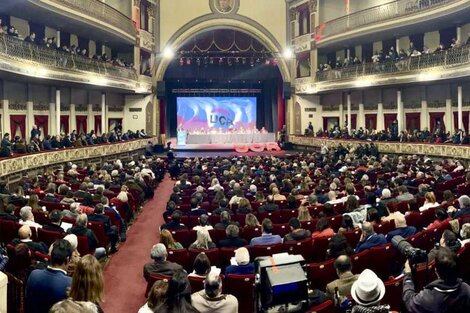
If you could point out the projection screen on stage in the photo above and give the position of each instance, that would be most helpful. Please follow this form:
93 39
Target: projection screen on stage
216 113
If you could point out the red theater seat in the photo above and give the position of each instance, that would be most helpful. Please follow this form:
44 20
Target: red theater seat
320 274
242 287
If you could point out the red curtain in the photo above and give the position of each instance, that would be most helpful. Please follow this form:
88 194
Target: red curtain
371 121
413 121
162 117
353 120
325 123
281 112
388 119
42 122
98 124
18 122
64 123
81 123
465 120
434 117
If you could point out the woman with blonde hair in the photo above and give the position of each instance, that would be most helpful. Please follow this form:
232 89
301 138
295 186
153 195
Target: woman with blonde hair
167 239
429 201
122 196
33 202
244 206
203 241
87 282
304 213
251 221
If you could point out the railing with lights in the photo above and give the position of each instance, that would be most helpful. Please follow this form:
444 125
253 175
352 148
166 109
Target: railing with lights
12 48
101 12
438 60
376 15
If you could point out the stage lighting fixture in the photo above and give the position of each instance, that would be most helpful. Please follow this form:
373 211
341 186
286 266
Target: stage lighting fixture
288 54
168 53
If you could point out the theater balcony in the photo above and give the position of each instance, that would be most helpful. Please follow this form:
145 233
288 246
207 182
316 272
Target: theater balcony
22 59
302 43
397 17
87 18
444 65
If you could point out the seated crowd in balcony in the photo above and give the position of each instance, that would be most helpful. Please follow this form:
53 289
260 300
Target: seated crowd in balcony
19 145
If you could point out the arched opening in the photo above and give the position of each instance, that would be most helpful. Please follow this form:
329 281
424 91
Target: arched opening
221 63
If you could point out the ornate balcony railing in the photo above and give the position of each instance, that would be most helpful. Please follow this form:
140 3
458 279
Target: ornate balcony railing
375 15
437 60
14 49
101 12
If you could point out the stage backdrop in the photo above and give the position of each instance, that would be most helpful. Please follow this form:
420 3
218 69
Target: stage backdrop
207 113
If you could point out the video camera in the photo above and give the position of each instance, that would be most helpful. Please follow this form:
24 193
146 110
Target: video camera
414 255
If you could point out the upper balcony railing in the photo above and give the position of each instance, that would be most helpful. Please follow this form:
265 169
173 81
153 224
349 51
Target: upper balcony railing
377 14
15 49
436 60
102 12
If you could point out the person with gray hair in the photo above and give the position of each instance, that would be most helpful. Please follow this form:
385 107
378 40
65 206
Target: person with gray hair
369 238
233 238
464 206
80 229
160 265
27 217
211 299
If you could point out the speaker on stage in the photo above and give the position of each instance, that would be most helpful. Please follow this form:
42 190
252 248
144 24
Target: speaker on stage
286 90
161 89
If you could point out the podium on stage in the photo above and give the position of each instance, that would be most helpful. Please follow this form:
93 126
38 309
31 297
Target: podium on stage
181 137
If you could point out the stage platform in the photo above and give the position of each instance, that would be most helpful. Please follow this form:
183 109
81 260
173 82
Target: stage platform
220 147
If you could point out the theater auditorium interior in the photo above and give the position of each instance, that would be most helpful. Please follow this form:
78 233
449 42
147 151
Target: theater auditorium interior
184 156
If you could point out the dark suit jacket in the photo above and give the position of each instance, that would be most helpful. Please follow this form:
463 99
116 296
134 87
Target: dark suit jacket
101 218
53 227
9 217
50 198
162 268
268 207
83 231
33 246
173 226
233 242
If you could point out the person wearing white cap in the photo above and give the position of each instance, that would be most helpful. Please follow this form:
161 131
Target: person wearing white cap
367 291
243 265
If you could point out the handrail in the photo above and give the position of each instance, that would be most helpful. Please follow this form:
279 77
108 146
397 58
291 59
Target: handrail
377 14
14 48
442 59
102 12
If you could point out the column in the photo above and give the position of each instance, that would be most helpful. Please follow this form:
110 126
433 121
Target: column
459 106
459 34
348 53
424 116
348 103
5 111
72 118
448 116
361 118
341 116
57 111
57 38
52 117
104 118
29 113
90 118
400 112
397 45
380 112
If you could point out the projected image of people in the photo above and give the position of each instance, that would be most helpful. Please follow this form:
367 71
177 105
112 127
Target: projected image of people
216 114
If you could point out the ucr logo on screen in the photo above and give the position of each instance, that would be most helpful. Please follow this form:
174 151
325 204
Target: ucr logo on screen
256 147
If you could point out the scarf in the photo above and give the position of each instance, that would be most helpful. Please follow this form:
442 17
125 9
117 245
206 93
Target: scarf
371 309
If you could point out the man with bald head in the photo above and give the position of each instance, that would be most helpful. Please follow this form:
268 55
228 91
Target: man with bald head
346 278
369 238
211 299
25 234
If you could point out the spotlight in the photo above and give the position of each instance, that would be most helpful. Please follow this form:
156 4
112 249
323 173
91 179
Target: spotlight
288 54
168 53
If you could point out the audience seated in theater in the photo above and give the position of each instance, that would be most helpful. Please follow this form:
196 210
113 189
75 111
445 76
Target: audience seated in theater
178 295
303 212
80 229
71 306
404 195
267 237
441 217
156 297
449 240
211 299
235 199
277 196
385 199
160 265
259 197
17 197
297 232
27 217
269 206
9 213
322 229
167 239
369 238
55 219
448 293
203 241
83 193
72 264
203 223
465 234
373 216
5 149
244 206
464 207
429 202
219 196
33 202
233 239
225 220
351 204
175 223
49 286
251 221
345 279
367 291
401 229
73 211
195 208
110 230
24 236
338 245
183 182
347 224
243 265
202 266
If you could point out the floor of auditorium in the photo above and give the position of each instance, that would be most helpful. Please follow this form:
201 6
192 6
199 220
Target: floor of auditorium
124 281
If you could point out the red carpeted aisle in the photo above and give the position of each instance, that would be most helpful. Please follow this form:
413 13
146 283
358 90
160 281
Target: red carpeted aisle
123 276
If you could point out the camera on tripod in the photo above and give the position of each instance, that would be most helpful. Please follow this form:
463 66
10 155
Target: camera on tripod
414 255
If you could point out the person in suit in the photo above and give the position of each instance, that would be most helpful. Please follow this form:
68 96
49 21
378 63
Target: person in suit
55 218
175 223
24 236
9 213
345 279
269 206
5 150
35 132
80 229
401 228
369 238
160 265
110 230
83 193
233 238
195 209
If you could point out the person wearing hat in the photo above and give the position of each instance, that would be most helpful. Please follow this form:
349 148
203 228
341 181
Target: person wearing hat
401 228
243 265
448 293
367 291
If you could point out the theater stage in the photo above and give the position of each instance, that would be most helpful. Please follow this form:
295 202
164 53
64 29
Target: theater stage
225 147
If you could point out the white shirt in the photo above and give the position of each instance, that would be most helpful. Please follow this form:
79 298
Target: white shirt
30 224
427 206
145 309
199 227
